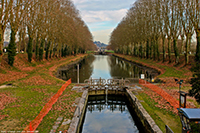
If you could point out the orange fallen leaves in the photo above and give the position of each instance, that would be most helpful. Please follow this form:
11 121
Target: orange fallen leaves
5 99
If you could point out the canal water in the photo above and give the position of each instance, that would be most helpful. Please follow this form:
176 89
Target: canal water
106 67
110 114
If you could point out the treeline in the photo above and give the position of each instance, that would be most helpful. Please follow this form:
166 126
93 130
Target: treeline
51 25
150 25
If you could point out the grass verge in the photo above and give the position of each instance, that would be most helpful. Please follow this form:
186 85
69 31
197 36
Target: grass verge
162 117
22 103
168 71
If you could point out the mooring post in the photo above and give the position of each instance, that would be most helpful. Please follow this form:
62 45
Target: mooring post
78 73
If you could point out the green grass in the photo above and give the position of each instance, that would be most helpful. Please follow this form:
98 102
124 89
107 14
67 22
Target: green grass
162 117
29 99
62 108
88 52
3 71
29 103
110 51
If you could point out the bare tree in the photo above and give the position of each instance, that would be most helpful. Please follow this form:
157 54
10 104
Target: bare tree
4 19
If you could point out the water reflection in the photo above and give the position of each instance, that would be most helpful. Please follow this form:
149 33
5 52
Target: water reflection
106 67
123 69
86 69
101 67
108 114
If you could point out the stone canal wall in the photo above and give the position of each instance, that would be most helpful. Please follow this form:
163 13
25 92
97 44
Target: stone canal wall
79 114
146 120
148 123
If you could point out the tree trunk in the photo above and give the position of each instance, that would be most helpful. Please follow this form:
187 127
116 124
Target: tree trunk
151 49
47 50
169 49
37 49
141 51
51 49
147 49
20 41
1 41
30 48
12 48
176 51
186 50
154 49
197 56
164 53
157 50
182 44
1 38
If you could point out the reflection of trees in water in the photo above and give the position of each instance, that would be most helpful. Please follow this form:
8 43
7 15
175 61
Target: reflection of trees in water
113 103
86 70
118 68
123 69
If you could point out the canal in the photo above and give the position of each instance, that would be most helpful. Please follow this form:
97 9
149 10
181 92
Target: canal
106 67
110 114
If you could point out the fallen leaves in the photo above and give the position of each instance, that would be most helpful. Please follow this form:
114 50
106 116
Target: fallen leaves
162 103
37 80
5 99
11 75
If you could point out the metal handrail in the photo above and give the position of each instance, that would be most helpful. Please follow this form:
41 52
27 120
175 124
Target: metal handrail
168 130
109 82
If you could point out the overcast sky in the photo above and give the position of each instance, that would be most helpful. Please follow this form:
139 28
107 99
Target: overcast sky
102 16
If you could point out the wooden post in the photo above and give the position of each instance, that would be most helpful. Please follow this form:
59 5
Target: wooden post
77 73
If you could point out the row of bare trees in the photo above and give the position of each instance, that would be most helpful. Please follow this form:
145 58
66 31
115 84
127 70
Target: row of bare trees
150 25
53 25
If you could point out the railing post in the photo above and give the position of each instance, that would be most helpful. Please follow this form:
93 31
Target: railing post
77 73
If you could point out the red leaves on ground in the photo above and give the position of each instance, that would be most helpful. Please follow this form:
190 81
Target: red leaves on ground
173 102
5 99
37 80
10 76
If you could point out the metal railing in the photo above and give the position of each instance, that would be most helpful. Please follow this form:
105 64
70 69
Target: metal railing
109 83
168 130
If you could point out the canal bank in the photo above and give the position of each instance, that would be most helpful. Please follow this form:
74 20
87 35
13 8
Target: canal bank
34 85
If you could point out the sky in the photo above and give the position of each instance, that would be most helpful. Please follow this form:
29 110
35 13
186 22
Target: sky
102 16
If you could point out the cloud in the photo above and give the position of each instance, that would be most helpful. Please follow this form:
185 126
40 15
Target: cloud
100 16
102 35
99 5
